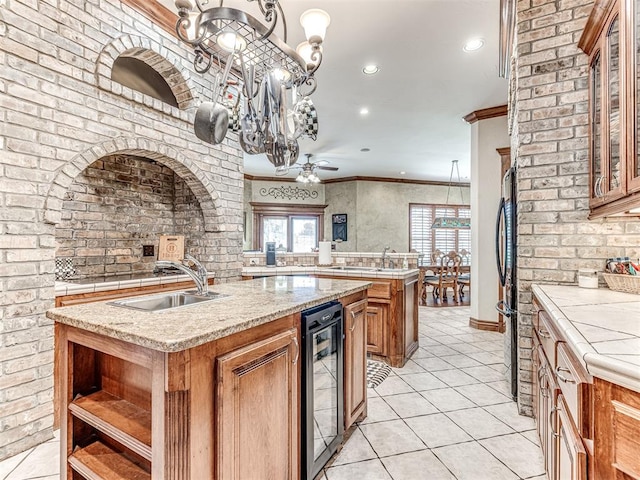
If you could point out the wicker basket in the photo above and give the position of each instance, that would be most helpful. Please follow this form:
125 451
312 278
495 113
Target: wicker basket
623 283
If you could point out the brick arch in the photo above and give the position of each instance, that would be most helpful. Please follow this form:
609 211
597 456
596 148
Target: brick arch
162 153
163 61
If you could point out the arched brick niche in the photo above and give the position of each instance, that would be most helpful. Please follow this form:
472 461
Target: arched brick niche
163 61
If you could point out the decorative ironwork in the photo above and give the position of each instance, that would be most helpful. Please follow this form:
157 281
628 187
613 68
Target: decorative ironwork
290 193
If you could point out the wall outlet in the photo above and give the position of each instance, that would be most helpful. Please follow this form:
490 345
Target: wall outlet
148 251
340 260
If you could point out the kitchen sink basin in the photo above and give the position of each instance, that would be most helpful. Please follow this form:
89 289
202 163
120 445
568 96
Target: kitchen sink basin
165 301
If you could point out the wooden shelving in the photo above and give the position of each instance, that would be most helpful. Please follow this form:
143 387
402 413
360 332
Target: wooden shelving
119 419
97 461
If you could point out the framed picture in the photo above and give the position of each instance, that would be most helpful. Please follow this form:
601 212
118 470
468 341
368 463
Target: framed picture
339 227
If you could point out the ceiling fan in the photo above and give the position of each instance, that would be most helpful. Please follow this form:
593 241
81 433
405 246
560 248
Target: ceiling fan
307 170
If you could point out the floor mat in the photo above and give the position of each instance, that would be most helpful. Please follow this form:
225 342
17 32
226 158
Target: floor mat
376 373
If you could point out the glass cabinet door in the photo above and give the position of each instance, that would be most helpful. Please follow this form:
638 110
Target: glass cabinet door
634 161
596 125
612 180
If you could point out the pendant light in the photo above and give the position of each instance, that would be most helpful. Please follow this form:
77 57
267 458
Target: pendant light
453 222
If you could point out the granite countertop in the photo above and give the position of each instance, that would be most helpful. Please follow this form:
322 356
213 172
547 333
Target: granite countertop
247 304
601 326
393 273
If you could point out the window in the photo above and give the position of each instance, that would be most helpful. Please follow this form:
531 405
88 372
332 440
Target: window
426 240
294 227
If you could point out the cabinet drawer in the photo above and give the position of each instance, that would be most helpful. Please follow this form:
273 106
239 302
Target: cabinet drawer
379 290
548 336
575 384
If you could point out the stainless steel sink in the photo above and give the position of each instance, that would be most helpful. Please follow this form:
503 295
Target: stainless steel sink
165 301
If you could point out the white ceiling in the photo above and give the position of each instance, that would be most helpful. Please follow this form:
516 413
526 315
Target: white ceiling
427 83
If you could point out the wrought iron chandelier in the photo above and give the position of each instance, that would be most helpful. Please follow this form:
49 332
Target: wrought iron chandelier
271 109
453 222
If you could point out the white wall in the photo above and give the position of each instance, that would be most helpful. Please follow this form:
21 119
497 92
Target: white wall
486 137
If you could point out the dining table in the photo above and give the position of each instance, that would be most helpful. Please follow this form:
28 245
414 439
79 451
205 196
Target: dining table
434 269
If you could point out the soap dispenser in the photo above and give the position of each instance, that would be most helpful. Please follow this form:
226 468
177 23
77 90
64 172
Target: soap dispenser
405 264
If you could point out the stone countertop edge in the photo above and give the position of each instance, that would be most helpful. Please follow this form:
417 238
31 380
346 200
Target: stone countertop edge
179 329
600 365
319 269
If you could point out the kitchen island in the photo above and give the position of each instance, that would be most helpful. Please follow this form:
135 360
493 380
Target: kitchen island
586 375
392 310
205 391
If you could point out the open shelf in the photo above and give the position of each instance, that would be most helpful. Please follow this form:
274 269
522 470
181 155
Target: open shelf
119 419
97 462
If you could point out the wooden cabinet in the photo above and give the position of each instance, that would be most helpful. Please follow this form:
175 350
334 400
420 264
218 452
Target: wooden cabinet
617 425
571 456
228 409
355 361
377 324
258 411
611 38
562 402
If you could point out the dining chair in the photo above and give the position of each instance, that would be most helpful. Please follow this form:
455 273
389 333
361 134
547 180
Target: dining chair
464 279
435 257
449 269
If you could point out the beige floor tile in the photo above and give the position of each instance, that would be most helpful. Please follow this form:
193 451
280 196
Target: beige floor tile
378 411
437 430
455 377
486 357
460 361
501 386
409 405
391 438
369 470
414 465
478 423
508 413
8 465
517 453
409 367
393 385
484 373
356 449
465 348
433 364
423 381
482 395
470 461
447 399
43 461
532 436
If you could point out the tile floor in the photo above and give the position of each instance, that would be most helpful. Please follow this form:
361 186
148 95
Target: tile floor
446 415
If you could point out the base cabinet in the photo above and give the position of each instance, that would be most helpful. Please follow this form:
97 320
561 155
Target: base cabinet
377 325
257 399
571 456
355 361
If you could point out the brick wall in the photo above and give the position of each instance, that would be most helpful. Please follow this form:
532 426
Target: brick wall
60 113
550 142
118 204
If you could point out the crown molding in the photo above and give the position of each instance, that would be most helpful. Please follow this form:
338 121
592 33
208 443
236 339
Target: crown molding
157 13
360 179
486 113
504 151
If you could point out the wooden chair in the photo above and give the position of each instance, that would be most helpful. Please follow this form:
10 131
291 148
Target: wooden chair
449 269
436 255
464 280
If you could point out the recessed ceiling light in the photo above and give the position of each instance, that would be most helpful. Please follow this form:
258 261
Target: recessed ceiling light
402 172
365 149
473 45
364 111
371 69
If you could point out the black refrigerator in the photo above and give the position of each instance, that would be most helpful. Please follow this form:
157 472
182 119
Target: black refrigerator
506 241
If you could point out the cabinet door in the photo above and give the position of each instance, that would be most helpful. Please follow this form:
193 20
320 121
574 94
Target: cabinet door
595 125
571 456
355 361
258 410
377 328
633 163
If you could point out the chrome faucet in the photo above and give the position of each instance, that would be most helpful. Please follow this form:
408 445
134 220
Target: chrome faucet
199 276
384 255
